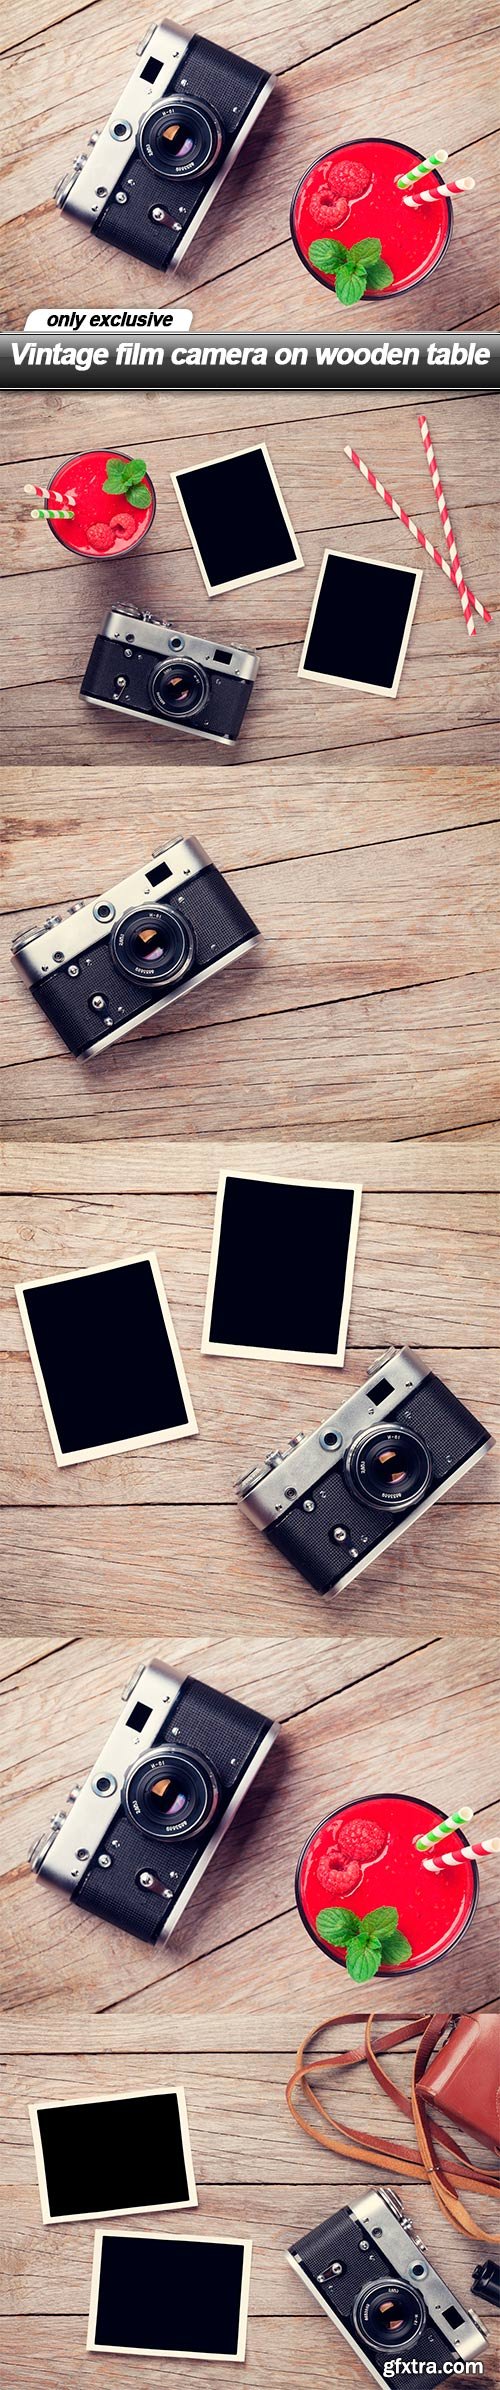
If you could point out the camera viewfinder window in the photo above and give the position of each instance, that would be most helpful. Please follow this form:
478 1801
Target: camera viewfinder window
237 519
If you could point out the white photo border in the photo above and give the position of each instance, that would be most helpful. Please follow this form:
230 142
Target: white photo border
338 680
89 2099
95 1452
206 2356
269 572
258 1352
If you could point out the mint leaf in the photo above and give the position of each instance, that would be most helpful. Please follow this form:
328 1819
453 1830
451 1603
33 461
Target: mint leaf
379 276
136 468
380 1922
363 1959
337 1925
114 473
138 495
395 1950
350 284
327 255
365 253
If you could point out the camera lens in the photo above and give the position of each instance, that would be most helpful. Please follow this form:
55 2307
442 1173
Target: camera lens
171 1793
389 1467
389 2316
178 690
153 945
181 137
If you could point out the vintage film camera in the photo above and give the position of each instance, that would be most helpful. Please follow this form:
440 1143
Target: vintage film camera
147 181
167 927
169 676
139 1834
369 2271
331 1499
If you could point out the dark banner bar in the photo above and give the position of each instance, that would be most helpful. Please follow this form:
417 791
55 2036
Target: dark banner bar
228 361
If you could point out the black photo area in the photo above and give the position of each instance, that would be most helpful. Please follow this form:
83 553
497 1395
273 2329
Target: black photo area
281 1266
360 621
179 2295
236 518
113 2154
105 1356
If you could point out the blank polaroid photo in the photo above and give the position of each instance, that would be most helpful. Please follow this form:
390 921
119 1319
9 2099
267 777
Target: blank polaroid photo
106 1359
156 2296
281 1269
360 623
112 2156
237 520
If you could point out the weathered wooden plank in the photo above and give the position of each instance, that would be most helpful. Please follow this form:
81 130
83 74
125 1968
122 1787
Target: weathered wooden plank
391 1063
411 1718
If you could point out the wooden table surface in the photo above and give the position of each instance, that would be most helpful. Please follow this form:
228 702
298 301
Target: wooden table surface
85 2009
151 1541
359 830
412 74
359 1039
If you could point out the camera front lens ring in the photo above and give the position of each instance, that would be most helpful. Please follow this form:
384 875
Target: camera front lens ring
389 2315
153 945
180 137
171 1793
179 691
389 1467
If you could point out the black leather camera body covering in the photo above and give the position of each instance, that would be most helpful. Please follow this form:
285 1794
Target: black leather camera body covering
226 1734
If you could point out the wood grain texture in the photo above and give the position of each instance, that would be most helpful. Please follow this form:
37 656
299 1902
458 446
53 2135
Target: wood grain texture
361 833
335 79
448 683
85 2010
418 1713
75 1538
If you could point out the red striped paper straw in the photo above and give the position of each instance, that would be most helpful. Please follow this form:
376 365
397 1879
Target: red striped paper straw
392 503
469 1850
447 528
444 191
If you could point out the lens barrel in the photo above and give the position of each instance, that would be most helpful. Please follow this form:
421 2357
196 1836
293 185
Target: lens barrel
181 137
153 945
389 1467
390 2315
179 690
171 1793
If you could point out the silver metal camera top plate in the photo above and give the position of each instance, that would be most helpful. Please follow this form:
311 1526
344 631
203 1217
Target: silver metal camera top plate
99 174
78 931
397 2242
155 637
92 1813
291 1477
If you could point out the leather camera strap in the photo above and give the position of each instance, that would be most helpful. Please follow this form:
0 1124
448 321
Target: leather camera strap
420 2165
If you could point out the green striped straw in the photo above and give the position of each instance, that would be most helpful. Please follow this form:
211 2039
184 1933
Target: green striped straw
462 1817
403 181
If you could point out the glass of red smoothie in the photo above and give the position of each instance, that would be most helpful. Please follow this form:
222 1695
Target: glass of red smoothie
102 525
350 194
434 1910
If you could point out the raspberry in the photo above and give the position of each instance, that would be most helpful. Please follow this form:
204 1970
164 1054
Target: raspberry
101 537
348 178
360 1838
327 211
119 523
336 1876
